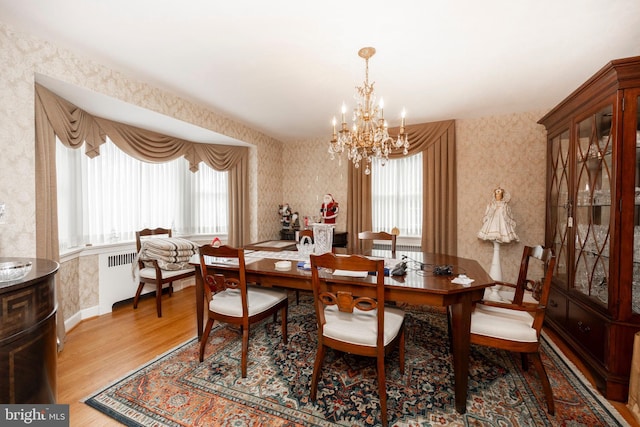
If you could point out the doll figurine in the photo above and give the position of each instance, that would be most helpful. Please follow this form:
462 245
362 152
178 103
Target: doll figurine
498 224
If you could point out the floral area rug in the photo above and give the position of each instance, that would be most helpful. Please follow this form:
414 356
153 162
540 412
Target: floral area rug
176 390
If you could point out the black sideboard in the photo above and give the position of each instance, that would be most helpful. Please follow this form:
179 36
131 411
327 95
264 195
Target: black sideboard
339 237
28 344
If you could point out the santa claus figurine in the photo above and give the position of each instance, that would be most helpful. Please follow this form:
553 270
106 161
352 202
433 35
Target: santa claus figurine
329 209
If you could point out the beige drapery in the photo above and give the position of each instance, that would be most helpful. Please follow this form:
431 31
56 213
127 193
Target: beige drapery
73 126
437 143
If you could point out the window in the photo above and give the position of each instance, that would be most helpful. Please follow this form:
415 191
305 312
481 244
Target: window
396 195
109 197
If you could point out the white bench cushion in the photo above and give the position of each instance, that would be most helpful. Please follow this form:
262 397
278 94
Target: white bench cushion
229 301
361 327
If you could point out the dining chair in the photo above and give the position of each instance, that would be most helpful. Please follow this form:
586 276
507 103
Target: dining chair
231 300
352 316
516 325
370 236
150 271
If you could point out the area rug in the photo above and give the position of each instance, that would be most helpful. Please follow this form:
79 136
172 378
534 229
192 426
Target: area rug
176 390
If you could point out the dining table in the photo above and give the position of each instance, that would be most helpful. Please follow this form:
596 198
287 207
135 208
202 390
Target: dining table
433 279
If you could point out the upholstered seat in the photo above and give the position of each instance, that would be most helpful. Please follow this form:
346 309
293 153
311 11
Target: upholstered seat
505 324
150 273
361 327
229 301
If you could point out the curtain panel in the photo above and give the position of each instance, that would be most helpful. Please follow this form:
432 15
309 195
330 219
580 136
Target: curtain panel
437 143
56 116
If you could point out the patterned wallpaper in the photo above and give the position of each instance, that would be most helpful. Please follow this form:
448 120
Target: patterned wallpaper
507 150
310 175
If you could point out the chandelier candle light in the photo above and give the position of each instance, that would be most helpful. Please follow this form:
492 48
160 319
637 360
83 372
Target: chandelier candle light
369 137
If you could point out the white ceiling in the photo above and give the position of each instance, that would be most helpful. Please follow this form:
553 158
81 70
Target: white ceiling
284 67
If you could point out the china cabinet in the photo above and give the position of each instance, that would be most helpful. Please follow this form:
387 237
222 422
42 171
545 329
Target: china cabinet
593 221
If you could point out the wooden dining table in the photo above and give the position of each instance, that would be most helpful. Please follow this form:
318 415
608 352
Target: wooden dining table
420 286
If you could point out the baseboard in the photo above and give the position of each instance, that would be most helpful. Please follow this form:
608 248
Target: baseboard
94 311
86 313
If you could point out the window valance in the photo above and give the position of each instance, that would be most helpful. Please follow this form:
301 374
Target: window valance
74 126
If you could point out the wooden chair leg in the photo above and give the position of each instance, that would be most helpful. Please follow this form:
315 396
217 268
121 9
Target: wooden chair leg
297 297
525 361
170 289
159 299
245 350
317 368
205 337
382 390
546 386
137 297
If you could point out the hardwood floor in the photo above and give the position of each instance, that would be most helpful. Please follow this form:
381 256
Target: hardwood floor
100 350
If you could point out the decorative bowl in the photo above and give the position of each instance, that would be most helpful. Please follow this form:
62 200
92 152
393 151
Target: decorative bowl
14 270
283 265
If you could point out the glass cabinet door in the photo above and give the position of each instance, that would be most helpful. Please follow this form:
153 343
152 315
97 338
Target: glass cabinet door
559 203
592 212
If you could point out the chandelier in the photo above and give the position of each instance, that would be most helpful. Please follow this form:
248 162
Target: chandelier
368 138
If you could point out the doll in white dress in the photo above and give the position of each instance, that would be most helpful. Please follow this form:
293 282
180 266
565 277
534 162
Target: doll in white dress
498 224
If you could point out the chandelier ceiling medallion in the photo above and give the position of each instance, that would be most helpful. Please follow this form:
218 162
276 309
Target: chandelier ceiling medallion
368 138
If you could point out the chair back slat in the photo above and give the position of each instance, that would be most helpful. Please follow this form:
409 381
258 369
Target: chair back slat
218 282
370 236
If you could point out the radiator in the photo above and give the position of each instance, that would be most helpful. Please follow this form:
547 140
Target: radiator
399 247
116 282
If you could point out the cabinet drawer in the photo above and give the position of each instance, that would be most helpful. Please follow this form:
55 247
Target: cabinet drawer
557 307
588 330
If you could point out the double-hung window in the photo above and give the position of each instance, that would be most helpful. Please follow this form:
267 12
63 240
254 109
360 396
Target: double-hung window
396 195
109 197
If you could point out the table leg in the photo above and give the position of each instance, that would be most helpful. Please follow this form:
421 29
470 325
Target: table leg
461 326
199 301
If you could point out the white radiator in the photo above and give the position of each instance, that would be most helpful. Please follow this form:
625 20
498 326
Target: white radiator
399 247
116 282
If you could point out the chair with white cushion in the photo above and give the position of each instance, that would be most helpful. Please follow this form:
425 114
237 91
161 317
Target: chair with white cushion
231 300
352 316
150 270
516 325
